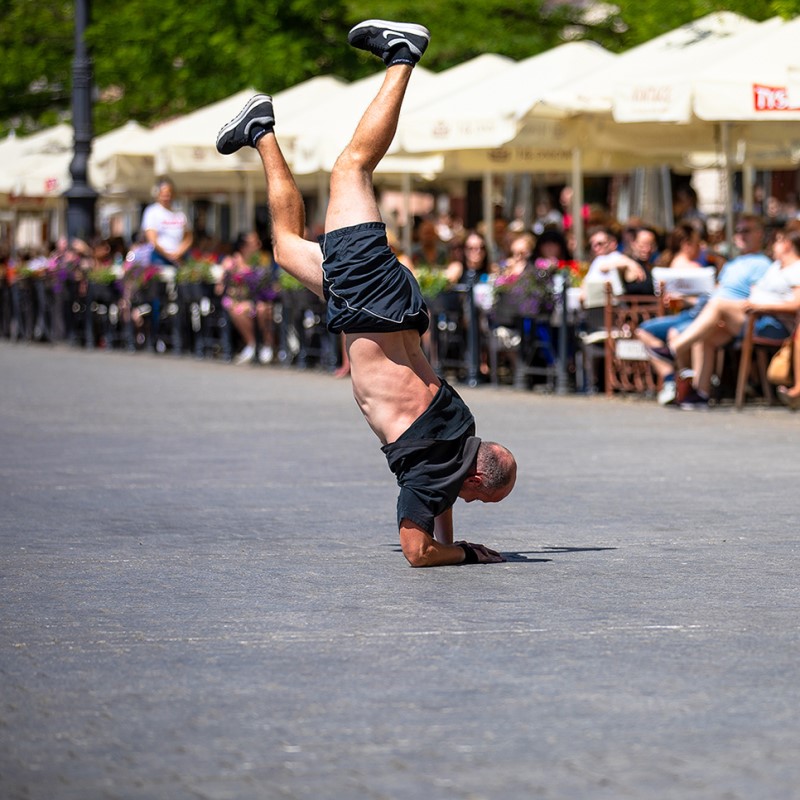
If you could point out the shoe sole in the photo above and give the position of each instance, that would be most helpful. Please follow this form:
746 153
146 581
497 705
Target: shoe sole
666 399
252 103
399 27
790 402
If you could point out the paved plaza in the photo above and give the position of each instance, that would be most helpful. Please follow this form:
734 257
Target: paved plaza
203 596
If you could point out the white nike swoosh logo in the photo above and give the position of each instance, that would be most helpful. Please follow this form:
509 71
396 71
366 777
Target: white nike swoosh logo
402 40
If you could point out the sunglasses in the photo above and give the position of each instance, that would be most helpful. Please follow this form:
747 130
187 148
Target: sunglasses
744 230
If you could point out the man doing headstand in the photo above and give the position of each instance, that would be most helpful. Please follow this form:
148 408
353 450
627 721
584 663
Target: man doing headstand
426 430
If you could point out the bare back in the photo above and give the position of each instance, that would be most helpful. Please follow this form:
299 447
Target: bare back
393 382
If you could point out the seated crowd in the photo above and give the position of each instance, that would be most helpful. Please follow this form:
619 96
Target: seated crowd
762 277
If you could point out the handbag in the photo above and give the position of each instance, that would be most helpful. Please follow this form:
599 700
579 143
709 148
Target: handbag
779 371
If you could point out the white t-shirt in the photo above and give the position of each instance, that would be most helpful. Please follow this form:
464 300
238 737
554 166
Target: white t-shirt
777 285
596 278
169 226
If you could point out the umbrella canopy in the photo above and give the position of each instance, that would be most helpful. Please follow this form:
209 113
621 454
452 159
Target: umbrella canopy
489 113
36 165
665 91
665 97
594 91
120 162
313 140
186 145
756 83
51 140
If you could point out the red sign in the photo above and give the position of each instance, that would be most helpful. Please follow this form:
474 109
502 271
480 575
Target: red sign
771 98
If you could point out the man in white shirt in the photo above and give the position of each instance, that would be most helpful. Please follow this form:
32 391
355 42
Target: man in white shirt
165 229
607 262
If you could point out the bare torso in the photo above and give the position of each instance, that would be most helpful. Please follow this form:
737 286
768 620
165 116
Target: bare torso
393 382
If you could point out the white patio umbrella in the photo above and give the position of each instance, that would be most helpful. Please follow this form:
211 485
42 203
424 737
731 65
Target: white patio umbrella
665 91
185 146
35 166
121 162
55 139
588 104
595 92
38 165
322 132
317 137
488 113
756 83
480 130
424 88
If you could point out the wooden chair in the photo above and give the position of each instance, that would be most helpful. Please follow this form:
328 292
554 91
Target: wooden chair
627 367
763 348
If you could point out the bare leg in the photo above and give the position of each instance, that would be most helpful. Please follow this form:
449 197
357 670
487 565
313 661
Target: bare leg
352 198
662 369
298 256
264 317
727 313
795 390
242 316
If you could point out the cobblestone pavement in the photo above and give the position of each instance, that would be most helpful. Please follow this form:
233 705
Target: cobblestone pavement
203 596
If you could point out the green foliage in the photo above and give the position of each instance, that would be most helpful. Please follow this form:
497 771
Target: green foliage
194 272
158 59
36 42
431 281
102 276
169 58
288 283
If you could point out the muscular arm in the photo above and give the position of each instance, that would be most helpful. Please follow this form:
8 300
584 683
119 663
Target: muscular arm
422 550
443 527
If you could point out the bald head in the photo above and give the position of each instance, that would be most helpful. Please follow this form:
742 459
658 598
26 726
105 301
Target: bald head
494 475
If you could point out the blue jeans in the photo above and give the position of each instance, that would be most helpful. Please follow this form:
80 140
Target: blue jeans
769 328
660 326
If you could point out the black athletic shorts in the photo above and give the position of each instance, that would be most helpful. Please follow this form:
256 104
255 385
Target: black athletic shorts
367 289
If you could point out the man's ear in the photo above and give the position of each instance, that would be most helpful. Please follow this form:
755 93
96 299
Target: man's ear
472 480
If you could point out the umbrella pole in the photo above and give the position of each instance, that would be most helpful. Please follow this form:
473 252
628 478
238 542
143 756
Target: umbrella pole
725 140
748 184
488 212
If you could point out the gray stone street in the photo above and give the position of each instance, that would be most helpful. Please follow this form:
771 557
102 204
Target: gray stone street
203 596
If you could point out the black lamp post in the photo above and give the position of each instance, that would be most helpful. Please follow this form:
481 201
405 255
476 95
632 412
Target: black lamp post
81 198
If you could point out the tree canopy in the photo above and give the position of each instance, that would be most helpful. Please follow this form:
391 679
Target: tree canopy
155 59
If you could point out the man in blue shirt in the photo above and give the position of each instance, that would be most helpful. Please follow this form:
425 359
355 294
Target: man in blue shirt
734 283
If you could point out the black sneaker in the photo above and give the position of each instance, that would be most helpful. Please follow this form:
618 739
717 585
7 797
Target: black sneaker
248 126
394 42
694 401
